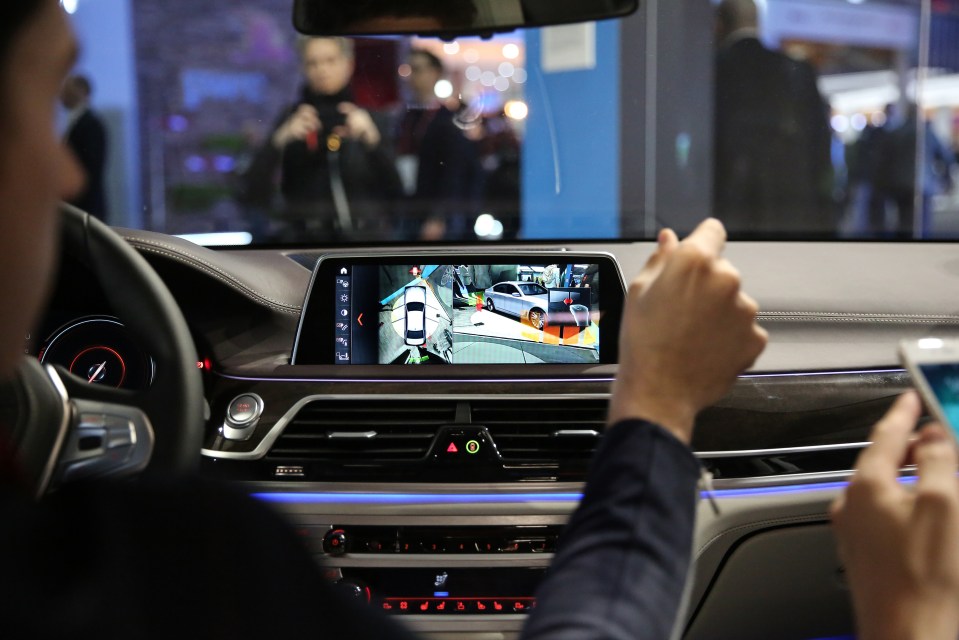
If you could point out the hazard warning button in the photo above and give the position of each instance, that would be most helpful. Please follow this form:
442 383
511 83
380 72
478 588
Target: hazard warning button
462 445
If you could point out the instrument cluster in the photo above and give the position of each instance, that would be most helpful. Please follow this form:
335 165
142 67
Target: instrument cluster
101 350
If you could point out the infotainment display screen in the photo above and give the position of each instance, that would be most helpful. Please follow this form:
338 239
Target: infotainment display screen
461 310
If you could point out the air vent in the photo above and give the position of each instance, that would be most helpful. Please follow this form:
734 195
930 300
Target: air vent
368 431
548 430
733 469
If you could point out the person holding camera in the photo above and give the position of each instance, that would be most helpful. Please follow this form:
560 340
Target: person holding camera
337 176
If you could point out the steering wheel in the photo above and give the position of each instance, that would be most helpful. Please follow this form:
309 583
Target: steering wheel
66 429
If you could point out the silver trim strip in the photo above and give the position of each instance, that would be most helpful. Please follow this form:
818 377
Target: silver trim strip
786 480
416 380
62 429
534 380
751 453
278 428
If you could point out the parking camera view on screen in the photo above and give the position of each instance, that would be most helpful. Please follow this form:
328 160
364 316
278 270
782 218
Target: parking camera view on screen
486 314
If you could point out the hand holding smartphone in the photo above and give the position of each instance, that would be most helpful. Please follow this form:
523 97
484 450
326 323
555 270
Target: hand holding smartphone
933 364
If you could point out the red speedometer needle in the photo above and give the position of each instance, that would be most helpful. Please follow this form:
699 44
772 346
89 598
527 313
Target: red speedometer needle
97 372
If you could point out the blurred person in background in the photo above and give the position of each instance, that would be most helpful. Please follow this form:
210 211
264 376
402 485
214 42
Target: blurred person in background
86 136
896 175
867 205
501 158
439 165
336 172
773 170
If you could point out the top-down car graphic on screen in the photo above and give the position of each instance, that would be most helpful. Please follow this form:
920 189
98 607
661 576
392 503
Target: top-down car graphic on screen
414 300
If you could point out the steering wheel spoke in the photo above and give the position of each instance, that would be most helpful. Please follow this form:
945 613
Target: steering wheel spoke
103 439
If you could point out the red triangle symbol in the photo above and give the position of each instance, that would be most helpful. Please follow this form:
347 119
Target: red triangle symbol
568 301
452 448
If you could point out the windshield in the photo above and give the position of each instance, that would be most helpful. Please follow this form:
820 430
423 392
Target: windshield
784 118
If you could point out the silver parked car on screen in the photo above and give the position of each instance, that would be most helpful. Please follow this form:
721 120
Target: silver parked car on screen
521 299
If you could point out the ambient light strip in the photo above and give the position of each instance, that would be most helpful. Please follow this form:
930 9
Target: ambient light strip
415 498
517 498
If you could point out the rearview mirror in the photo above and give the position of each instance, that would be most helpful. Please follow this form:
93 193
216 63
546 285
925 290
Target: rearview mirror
446 18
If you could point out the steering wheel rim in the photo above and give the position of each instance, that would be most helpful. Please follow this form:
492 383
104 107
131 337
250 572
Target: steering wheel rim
173 404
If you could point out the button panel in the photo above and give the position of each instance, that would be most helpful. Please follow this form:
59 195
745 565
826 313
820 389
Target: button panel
449 591
457 606
444 540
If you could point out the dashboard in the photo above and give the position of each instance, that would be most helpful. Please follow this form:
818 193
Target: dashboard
438 493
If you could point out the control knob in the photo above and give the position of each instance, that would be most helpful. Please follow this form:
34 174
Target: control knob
355 590
334 542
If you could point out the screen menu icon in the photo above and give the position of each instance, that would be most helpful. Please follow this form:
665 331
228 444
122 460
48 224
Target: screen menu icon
342 305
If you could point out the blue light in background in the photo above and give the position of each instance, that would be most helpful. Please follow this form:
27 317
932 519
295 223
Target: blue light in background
177 123
195 164
224 164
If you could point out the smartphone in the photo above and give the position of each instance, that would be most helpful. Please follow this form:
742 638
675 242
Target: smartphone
933 364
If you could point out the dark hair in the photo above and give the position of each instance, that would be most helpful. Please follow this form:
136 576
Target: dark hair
338 17
14 15
430 57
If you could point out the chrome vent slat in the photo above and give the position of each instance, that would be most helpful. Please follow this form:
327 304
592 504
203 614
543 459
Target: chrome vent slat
412 454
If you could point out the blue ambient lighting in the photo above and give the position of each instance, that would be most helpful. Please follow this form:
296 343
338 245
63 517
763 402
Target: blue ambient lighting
441 594
416 498
515 498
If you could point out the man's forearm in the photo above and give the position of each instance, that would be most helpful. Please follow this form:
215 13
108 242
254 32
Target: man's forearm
624 556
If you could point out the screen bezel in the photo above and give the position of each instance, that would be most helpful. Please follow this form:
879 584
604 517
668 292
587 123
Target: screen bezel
314 345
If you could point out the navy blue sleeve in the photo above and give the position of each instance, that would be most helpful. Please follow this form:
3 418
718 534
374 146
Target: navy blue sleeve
623 557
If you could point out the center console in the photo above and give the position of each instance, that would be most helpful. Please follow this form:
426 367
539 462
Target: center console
431 432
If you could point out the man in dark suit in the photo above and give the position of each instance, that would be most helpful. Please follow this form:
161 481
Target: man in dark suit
439 164
87 138
772 136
